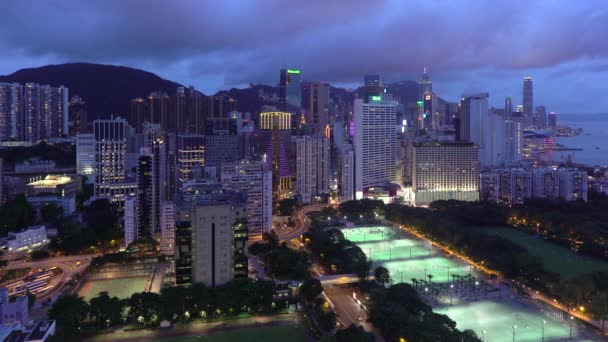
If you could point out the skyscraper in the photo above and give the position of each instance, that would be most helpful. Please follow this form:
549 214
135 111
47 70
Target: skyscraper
130 221
318 114
374 143
424 85
508 105
540 117
347 174
312 167
276 135
290 91
552 121
528 102
111 138
255 179
139 113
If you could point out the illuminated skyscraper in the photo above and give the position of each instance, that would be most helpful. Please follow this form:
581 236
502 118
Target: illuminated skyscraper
424 85
276 132
540 117
290 91
528 102
111 138
374 143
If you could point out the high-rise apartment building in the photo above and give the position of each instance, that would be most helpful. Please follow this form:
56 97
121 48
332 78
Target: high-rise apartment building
444 171
347 174
11 111
255 179
312 167
528 102
290 91
545 183
131 220
513 140
573 184
77 117
374 143
167 228
508 105
515 185
489 186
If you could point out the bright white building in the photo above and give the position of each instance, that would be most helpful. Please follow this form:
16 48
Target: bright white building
374 143
444 171
30 238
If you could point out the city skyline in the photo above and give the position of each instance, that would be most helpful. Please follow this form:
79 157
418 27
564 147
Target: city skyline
491 53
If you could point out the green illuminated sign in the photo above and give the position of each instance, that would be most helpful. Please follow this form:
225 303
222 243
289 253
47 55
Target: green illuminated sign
420 103
376 98
293 71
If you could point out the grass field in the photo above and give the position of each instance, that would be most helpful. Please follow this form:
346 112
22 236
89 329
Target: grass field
121 288
498 319
266 334
555 258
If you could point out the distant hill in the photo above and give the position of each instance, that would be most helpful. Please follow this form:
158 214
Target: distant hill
106 89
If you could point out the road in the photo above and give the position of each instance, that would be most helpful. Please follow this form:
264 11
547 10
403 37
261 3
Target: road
69 266
196 329
302 221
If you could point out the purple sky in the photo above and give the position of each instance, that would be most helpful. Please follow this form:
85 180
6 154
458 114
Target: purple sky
468 45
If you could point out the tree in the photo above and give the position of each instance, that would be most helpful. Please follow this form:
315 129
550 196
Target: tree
102 218
144 307
310 290
599 308
69 311
354 333
51 212
286 207
106 310
39 254
16 214
382 275
272 239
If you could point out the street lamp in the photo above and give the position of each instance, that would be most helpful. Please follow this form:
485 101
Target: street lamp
571 319
451 289
514 327
543 331
483 335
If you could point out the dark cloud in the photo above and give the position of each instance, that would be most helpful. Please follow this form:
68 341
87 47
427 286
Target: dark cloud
217 44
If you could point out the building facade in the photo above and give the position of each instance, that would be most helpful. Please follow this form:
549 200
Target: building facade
312 167
374 143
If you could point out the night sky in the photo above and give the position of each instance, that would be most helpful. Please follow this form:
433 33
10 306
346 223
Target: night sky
467 45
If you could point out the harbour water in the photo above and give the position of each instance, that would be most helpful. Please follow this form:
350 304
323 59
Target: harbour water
593 140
